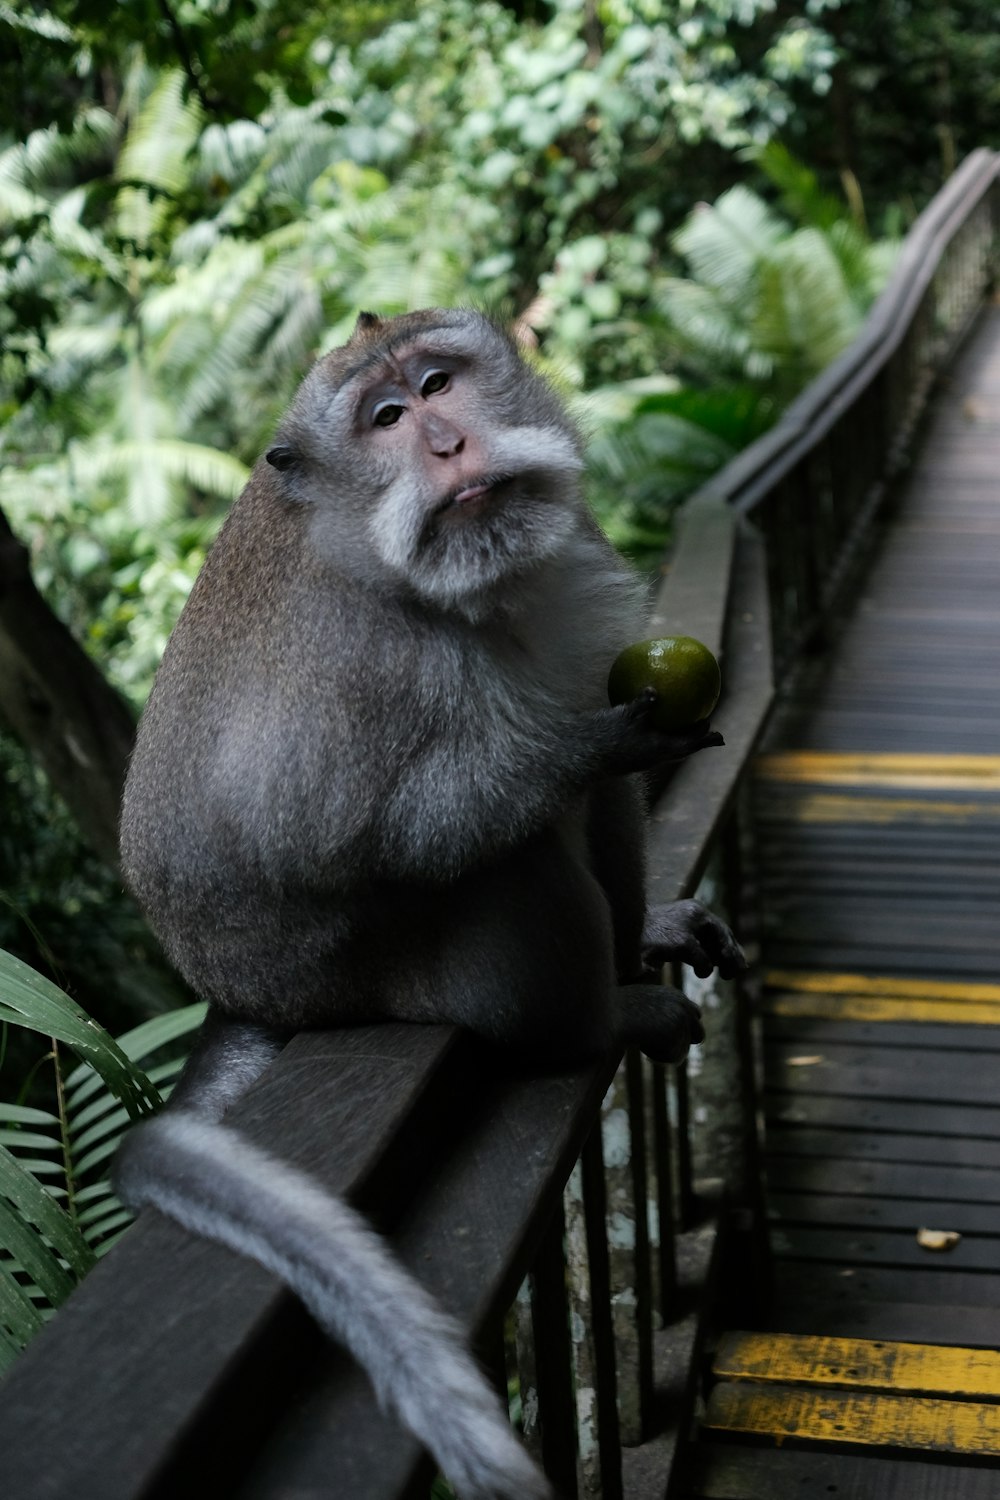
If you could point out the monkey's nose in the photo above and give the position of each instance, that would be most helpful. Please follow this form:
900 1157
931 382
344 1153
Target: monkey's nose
443 438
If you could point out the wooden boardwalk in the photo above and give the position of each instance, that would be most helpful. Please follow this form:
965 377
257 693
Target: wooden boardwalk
878 810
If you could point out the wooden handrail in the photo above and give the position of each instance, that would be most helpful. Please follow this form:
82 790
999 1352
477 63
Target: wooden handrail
756 470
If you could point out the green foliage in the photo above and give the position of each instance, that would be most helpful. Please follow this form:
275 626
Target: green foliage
914 87
57 1210
766 301
171 264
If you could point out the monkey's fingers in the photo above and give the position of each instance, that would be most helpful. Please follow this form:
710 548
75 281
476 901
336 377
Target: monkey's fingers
689 932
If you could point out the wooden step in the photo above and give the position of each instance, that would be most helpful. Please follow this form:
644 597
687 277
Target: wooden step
899 1397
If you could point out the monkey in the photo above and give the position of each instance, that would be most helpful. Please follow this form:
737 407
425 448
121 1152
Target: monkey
378 779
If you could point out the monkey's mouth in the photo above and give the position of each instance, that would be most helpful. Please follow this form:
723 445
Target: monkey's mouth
470 499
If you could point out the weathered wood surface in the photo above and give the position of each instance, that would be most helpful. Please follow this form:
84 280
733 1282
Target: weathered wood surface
879 1127
878 816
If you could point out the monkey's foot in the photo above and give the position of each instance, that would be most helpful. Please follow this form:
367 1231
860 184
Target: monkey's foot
662 1022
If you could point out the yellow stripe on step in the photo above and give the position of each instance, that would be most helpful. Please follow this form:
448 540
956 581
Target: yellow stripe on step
828 807
874 1008
817 982
885 769
918 1369
896 1422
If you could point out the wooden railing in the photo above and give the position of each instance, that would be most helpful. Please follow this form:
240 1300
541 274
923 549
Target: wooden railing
567 1222
814 483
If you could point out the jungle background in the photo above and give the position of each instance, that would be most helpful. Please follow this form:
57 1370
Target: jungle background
688 207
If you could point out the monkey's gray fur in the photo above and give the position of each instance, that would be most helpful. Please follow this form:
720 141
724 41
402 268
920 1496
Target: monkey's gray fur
378 778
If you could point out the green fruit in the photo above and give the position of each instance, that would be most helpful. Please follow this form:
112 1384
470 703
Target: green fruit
683 672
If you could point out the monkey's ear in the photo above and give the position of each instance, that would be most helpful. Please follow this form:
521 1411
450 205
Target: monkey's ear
368 323
281 456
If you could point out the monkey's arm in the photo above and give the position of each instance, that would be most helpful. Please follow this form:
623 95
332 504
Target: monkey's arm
688 932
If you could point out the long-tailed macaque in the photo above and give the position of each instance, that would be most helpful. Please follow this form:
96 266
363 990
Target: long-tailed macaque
378 777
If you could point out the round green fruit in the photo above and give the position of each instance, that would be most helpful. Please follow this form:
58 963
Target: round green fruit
683 672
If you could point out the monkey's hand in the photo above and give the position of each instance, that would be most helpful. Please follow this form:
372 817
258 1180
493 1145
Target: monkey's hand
638 745
688 932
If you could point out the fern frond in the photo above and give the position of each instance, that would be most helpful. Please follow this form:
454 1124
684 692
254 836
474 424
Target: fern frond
153 164
152 469
49 157
725 243
159 140
39 23
805 202
28 999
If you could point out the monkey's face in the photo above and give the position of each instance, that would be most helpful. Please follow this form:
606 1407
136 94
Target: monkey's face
439 451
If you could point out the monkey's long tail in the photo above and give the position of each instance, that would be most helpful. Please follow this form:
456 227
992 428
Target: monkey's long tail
218 1184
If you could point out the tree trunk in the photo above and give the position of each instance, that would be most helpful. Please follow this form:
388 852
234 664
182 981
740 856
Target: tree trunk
59 705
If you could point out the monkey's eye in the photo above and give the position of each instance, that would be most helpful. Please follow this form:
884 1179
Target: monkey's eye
387 414
436 381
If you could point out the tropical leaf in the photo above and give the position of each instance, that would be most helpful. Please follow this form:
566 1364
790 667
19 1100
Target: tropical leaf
41 23
30 1000
57 1209
725 243
154 163
159 141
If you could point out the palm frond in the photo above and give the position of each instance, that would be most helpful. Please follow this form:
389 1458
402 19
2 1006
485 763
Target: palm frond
151 471
28 999
57 1209
153 164
39 23
725 243
805 202
160 139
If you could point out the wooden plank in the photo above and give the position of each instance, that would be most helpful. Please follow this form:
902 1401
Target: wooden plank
833 807
883 1026
878 984
896 1073
553 1364
958 1149
859 1364
678 1363
172 1314
468 1235
811 1283
693 597
932 1321
884 768
702 789
931 1028
837 1417
884 1247
843 1211
793 1174
727 1471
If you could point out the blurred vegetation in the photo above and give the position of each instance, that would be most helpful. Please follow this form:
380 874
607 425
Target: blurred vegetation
197 197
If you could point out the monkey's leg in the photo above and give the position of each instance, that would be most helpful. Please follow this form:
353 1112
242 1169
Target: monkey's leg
616 836
522 953
216 1183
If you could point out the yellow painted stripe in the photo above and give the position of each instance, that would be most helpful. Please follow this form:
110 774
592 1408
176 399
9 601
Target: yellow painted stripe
865 1364
823 807
908 1422
817 982
874 1008
888 769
